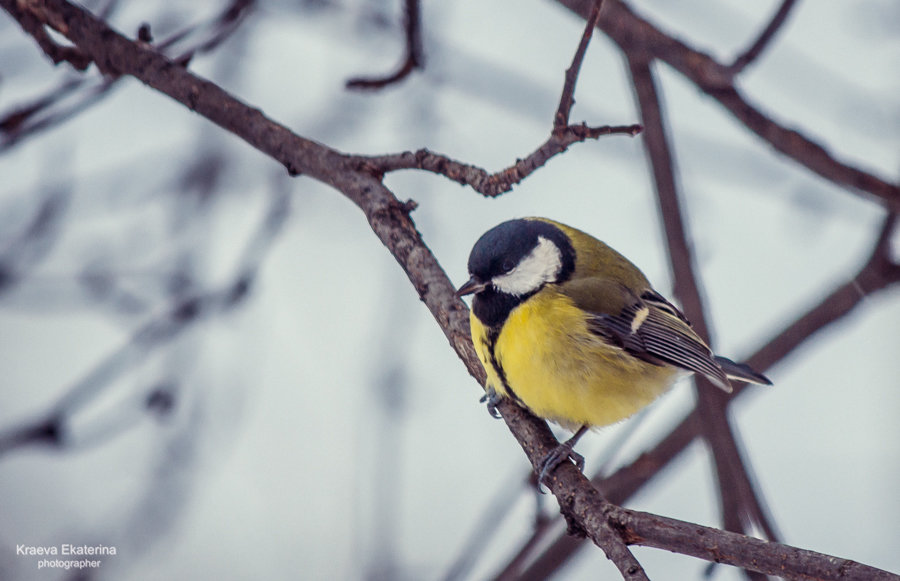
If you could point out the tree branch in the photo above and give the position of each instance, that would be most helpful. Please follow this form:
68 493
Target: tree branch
637 36
76 94
34 26
764 38
729 548
490 184
414 58
561 137
567 99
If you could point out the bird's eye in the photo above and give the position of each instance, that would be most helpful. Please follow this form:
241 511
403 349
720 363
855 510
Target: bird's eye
507 266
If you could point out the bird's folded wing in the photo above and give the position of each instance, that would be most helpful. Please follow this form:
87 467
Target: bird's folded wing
650 328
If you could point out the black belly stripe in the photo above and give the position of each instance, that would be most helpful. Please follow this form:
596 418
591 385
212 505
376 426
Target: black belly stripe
491 343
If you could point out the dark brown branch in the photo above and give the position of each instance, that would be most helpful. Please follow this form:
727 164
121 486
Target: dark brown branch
413 59
718 546
637 36
567 99
764 38
491 184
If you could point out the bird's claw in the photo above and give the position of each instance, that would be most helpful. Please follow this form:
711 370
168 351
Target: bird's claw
492 398
557 456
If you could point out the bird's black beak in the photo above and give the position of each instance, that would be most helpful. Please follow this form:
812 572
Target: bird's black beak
473 285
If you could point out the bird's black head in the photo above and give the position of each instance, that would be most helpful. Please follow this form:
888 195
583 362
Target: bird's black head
511 262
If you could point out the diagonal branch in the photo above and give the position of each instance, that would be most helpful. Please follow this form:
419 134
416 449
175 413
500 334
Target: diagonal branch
35 27
636 36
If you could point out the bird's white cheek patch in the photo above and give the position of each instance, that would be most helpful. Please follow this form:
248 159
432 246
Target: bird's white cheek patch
541 265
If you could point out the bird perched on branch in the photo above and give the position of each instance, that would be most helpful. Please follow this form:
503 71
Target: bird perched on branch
572 330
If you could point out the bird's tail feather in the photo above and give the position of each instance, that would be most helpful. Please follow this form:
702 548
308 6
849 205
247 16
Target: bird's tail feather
741 371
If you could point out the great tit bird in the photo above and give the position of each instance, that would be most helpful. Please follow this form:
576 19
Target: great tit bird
572 330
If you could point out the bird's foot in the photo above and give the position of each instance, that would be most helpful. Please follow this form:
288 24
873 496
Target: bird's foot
557 456
560 454
492 398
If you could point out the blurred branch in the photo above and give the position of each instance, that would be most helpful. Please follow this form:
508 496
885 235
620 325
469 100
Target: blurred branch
764 38
496 509
586 505
29 247
636 36
617 488
736 493
606 524
12 121
879 272
414 58
51 428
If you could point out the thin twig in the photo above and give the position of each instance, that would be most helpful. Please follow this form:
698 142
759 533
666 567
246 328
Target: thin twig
491 184
567 99
412 60
764 38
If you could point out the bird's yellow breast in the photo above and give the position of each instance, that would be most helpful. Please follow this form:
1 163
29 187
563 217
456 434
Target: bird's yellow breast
560 370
